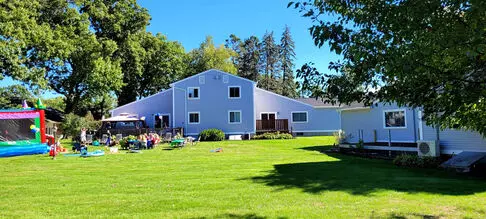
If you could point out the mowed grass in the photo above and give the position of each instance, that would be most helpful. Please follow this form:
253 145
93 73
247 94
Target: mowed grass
249 179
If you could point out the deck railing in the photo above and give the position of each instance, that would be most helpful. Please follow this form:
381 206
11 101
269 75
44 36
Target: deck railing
281 125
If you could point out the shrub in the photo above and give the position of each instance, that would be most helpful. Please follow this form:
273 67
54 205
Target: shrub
339 136
212 135
273 135
360 144
73 123
407 160
124 142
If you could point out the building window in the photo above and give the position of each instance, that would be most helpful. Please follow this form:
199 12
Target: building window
394 119
234 92
234 117
193 117
299 117
193 93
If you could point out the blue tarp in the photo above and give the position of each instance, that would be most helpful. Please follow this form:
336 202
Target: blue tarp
10 151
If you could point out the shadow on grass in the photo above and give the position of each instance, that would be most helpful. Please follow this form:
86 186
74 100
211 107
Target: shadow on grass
238 216
361 176
424 216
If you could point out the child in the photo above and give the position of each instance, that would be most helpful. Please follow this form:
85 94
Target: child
150 141
83 134
144 141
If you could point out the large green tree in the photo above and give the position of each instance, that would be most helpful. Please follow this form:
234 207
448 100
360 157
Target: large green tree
428 54
13 95
50 44
287 57
208 56
248 56
163 63
270 64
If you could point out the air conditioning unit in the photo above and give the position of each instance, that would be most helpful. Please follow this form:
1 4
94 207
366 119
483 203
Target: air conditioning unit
428 148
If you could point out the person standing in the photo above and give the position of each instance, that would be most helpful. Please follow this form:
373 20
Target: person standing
83 134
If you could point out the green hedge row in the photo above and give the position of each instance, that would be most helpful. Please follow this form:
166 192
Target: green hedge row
273 135
407 160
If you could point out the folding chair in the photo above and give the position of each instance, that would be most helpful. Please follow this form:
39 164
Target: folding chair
119 137
167 137
89 139
104 138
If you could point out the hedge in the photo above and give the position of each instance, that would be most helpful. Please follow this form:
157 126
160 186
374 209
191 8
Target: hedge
212 135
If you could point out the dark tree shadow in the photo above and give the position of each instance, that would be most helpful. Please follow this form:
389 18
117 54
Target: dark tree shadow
363 176
237 216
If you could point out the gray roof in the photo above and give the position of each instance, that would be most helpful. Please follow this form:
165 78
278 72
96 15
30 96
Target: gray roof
320 103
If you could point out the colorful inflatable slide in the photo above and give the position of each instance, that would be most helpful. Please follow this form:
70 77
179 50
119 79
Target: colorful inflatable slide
22 132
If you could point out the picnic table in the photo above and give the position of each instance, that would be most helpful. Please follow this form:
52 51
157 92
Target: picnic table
177 143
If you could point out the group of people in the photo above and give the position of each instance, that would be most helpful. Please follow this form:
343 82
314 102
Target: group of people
143 140
148 140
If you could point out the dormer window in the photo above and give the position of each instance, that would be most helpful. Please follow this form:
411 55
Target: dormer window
234 92
193 93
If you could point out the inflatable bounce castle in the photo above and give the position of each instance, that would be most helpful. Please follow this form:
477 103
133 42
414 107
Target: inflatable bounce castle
22 131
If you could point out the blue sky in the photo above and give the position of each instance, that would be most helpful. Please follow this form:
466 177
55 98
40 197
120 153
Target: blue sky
190 21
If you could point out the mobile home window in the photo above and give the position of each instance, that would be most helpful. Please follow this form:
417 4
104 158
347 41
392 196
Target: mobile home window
194 118
299 116
394 119
234 92
234 117
193 93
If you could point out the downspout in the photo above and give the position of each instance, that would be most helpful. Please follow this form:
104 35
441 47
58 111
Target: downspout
414 126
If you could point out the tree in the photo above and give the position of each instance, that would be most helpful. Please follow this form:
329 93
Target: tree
234 43
164 62
50 44
98 106
427 54
269 61
208 56
249 66
124 23
13 95
247 60
287 57
56 103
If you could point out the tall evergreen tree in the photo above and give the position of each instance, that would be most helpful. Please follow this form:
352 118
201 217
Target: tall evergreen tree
287 57
247 60
235 44
270 63
250 58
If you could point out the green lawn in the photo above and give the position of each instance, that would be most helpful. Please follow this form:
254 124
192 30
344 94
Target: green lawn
249 179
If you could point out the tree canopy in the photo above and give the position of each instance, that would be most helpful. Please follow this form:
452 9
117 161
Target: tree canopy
266 62
208 56
13 95
84 49
427 54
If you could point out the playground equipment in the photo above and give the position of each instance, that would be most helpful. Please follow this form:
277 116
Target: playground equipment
22 131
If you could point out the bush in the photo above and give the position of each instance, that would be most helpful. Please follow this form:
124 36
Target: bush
212 135
273 135
407 160
124 142
73 123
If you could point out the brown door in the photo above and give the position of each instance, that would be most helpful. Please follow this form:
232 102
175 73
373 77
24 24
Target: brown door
268 121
